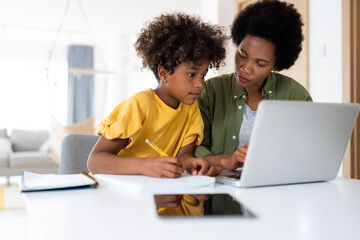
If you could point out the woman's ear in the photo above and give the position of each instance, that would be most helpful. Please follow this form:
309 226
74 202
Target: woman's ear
163 74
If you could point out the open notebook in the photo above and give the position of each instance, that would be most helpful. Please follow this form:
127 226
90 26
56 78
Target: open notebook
145 184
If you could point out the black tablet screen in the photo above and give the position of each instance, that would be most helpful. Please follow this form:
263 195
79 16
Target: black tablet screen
200 205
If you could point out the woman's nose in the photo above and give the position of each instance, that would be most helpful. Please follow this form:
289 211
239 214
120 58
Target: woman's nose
246 67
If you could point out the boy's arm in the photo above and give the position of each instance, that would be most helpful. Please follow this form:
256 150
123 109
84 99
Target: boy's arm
196 166
104 159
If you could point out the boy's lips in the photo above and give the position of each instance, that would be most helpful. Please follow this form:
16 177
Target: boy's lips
195 94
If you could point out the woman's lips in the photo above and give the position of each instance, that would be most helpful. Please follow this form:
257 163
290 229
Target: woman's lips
242 79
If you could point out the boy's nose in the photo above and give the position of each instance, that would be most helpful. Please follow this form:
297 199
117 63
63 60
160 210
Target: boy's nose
199 82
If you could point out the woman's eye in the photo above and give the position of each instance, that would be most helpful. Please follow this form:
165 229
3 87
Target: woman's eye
191 74
241 56
260 65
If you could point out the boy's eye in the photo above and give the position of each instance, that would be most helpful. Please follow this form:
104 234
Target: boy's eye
203 75
191 74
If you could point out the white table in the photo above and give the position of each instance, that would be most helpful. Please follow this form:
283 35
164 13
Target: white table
326 210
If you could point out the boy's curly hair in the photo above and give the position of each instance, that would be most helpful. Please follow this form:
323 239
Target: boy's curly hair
172 39
275 21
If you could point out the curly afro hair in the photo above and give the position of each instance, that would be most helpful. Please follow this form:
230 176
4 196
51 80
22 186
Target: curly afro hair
275 21
172 39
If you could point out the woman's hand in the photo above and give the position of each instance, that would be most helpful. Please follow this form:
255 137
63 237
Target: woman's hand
165 167
235 160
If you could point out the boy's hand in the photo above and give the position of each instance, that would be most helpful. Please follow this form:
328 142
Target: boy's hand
165 167
168 201
202 197
199 166
236 160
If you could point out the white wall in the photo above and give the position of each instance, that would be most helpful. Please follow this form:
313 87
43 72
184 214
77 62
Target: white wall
221 12
325 55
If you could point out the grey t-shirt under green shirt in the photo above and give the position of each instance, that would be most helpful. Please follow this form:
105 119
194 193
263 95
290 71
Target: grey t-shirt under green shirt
246 126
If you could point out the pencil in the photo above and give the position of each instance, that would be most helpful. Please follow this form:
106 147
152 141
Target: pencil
162 153
95 184
156 148
161 210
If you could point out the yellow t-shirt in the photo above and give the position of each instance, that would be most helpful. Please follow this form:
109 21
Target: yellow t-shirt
145 115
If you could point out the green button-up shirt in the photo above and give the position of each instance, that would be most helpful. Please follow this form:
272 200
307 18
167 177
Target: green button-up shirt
222 107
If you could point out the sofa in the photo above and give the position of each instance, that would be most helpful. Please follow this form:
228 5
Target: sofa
25 150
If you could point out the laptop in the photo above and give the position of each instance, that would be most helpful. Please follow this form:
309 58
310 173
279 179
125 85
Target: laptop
295 142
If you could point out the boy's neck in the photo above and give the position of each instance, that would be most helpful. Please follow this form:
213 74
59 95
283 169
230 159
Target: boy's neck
171 102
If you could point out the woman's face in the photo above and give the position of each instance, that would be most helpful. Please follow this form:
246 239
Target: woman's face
254 60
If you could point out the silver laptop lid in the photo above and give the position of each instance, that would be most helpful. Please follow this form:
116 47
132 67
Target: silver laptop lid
294 142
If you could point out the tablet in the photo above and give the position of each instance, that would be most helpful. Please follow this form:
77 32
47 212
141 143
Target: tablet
200 205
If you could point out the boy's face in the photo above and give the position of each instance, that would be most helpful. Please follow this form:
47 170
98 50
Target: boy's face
184 85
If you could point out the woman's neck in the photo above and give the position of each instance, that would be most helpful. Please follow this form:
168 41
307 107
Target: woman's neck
254 97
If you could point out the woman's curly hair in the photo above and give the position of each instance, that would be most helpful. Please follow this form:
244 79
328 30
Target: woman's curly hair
172 39
275 21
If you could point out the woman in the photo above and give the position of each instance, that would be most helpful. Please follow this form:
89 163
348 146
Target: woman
268 38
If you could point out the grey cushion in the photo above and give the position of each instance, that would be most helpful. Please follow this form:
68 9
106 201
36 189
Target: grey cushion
30 159
3 133
4 160
75 150
28 140
5 145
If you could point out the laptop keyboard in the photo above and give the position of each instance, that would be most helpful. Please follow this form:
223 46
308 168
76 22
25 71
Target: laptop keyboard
233 177
229 177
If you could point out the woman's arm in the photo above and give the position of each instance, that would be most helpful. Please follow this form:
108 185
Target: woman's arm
104 159
231 162
205 110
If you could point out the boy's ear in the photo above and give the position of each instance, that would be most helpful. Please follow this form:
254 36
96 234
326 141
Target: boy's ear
163 74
